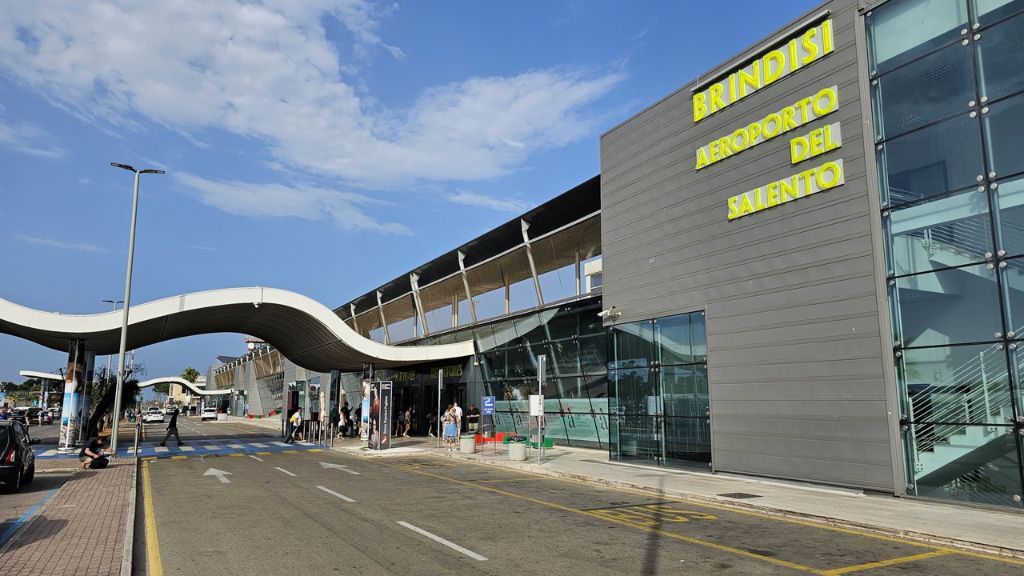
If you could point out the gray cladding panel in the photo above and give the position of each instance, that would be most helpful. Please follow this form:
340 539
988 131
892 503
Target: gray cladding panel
794 349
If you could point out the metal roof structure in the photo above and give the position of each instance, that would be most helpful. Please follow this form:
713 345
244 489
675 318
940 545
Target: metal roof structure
555 234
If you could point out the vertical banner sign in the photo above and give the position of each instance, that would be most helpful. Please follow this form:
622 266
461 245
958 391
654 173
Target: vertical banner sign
73 379
385 416
487 405
374 424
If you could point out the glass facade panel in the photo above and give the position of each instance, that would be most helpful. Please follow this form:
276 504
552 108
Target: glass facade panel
633 345
673 340
958 384
924 91
953 306
1001 59
981 464
1010 198
658 382
901 31
931 161
989 11
1004 125
942 232
954 258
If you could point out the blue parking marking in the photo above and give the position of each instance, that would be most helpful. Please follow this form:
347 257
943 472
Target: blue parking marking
190 449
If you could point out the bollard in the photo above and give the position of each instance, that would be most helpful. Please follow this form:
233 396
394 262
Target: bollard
138 430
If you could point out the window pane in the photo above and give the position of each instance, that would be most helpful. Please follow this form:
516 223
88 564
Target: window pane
1004 125
673 339
901 31
932 160
951 306
955 385
989 11
977 464
934 87
947 232
1001 59
563 359
632 345
1013 281
698 337
1011 216
594 354
685 391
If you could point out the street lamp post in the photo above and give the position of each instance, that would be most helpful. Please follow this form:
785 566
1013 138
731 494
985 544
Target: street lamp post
127 300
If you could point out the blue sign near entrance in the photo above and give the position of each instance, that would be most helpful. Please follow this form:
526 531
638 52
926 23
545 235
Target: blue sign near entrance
487 405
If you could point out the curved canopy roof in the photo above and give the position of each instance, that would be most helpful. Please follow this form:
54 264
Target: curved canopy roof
305 331
182 382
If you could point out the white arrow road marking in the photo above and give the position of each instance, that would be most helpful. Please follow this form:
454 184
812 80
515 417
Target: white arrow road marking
333 493
437 538
341 467
220 474
255 457
283 470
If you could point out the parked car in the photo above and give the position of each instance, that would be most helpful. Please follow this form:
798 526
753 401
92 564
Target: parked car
17 461
209 414
20 414
153 415
35 416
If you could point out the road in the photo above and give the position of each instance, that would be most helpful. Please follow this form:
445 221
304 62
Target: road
323 511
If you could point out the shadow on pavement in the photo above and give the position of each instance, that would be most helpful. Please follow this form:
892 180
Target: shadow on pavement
40 528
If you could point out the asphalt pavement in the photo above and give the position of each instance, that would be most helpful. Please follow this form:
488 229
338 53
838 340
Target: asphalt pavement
324 511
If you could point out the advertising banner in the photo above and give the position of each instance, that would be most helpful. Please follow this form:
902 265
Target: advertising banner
73 379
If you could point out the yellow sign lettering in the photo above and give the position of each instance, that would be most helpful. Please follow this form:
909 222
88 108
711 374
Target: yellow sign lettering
825 177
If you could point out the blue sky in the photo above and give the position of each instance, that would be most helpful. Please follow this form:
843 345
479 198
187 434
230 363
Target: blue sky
320 146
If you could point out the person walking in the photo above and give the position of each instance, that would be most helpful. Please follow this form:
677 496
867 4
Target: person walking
334 419
346 420
172 428
457 412
408 421
295 422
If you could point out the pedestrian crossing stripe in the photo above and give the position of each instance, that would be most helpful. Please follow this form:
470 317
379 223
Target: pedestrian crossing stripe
198 449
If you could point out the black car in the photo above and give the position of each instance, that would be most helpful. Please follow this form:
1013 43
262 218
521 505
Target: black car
17 462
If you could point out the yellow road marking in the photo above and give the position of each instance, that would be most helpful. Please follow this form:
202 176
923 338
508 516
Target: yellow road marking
154 564
764 515
664 533
178 457
263 453
890 562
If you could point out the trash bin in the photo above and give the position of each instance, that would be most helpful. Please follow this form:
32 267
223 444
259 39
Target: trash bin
517 448
467 444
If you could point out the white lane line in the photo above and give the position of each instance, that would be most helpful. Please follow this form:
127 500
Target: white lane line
212 447
283 470
333 493
437 538
255 457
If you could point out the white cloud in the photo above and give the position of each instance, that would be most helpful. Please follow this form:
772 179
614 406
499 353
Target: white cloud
267 71
484 201
29 139
271 200
58 244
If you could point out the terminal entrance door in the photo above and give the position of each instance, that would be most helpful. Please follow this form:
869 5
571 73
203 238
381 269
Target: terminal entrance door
658 382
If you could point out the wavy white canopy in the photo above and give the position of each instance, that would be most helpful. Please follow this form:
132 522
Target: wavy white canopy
305 331
182 382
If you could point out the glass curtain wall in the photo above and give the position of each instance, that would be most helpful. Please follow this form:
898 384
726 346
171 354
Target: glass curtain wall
575 383
948 101
657 375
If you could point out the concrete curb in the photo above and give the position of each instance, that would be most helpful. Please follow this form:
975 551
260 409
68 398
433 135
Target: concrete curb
128 548
923 537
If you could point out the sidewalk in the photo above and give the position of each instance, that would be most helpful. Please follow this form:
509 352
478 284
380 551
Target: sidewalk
82 528
987 530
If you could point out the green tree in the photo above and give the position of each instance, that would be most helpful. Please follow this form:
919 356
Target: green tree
190 374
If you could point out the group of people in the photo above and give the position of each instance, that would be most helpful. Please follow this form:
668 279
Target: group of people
451 423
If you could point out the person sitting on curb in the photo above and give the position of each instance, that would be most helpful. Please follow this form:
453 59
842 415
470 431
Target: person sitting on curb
92 456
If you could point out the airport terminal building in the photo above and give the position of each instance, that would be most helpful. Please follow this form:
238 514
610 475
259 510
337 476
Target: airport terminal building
808 264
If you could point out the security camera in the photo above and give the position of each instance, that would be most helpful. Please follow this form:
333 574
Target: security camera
255 304
609 313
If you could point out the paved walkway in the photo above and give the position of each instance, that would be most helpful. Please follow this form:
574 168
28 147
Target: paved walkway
80 530
988 530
